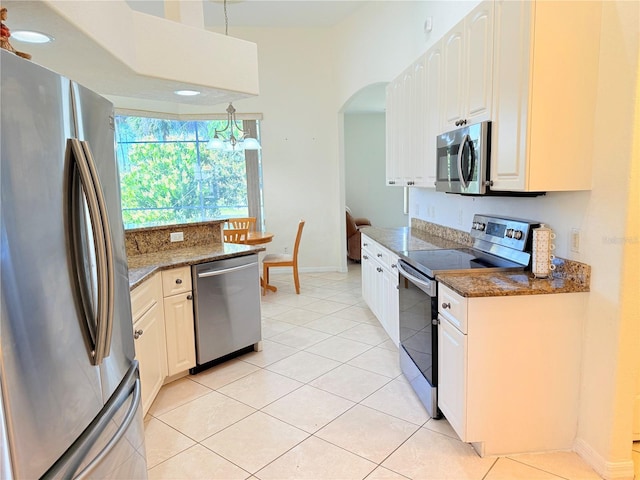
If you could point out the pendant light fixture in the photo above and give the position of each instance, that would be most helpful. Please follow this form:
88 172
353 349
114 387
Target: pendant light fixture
237 137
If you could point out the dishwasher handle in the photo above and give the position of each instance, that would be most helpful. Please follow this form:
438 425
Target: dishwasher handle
213 273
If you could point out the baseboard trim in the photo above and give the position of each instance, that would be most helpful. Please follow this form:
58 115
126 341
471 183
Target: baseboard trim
607 470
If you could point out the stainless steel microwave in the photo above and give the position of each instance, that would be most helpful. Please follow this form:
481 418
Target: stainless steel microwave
463 160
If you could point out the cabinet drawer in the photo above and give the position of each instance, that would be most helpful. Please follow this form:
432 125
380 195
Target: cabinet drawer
176 280
145 296
453 307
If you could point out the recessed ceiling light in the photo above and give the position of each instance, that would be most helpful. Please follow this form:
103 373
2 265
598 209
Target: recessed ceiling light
30 36
187 93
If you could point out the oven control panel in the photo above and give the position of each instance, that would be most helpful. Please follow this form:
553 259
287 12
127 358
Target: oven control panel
508 232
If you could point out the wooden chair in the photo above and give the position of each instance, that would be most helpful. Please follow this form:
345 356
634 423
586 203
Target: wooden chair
283 260
235 235
247 222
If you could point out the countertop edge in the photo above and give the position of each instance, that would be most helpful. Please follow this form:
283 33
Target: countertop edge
146 265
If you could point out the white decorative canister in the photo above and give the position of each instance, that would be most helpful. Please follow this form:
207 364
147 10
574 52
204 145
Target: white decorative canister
542 264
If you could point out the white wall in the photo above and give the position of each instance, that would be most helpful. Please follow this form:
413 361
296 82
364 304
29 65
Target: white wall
299 142
365 191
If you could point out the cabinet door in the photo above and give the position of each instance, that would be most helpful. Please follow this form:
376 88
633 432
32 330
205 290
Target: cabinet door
151 353
392 133
367 277
415 174
391 305
511 85
452 375
479 63
181 346
433 110
452 78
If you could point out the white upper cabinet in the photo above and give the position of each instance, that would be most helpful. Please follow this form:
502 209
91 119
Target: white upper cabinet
433 109
544 94
393 129
467 69
413 119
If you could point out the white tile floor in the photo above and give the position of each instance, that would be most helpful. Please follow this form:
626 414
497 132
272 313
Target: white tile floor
325 399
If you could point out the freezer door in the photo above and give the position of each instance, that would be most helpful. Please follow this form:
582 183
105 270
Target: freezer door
94 123
112 447
51 391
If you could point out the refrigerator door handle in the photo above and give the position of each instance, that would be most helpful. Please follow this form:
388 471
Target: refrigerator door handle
107 239
122 429
77 153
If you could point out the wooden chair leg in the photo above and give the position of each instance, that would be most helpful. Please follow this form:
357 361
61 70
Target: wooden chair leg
265 279
296 279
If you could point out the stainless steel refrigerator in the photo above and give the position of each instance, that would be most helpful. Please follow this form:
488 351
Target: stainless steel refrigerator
70 403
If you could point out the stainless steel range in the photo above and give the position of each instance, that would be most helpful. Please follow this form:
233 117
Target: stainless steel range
500 244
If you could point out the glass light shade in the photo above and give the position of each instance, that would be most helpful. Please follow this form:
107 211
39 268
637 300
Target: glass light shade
251 144
216 144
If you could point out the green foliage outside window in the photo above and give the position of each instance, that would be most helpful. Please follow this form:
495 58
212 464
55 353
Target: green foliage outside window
168 175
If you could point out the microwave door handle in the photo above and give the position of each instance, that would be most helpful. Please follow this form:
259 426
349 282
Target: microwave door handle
463 178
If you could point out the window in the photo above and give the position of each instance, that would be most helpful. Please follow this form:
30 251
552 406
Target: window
169 176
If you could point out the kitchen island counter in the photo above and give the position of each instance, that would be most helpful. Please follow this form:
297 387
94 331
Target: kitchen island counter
143 266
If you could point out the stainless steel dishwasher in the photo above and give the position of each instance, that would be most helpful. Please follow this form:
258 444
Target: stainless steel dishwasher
227 308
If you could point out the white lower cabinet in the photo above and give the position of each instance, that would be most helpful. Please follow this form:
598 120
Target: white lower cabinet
452 386
178 319
163 329
509 369
149 338
380 285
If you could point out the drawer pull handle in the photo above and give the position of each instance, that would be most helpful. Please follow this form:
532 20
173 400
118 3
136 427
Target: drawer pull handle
189 297
365 257
137 334
178 281
365 244
393 265
446 305
379 269
380 255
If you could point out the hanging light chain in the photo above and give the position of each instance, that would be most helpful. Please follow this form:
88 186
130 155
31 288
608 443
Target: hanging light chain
226 19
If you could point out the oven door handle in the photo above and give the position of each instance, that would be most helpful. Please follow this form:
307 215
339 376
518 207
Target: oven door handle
428 286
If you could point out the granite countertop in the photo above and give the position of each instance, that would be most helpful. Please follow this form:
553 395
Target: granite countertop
143 266
502 284
402 239
569 276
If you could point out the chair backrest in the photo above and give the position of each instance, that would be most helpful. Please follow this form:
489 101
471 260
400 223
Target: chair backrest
246 222
297 243
235 235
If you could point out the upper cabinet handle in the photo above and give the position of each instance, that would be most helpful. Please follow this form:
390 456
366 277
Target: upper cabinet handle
178 281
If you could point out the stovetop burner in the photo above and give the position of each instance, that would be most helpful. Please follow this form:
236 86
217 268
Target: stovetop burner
432 262
500 244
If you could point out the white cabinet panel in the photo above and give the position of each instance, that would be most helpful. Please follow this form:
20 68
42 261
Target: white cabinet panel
452 376
181 347
544 95
468 69
151 354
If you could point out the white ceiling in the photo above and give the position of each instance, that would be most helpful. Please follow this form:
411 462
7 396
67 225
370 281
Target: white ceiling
76 55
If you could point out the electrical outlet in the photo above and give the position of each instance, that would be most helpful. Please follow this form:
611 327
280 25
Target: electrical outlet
177 236
575 240
460 214
286 250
